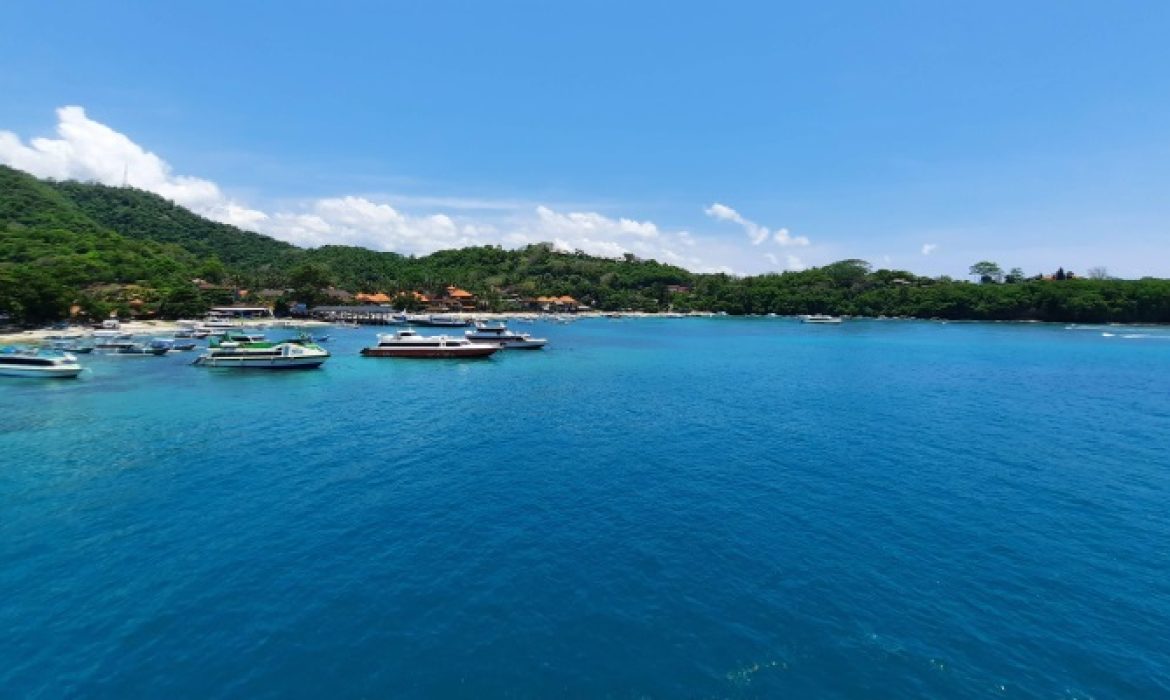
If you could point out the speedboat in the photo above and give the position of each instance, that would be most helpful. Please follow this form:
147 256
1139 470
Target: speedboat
500 335
35 362
286 354
820 318
407 343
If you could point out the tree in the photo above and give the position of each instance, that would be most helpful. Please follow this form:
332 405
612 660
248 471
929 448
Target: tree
183 301
1015 276
308 280
1059 274
986 271
1098 273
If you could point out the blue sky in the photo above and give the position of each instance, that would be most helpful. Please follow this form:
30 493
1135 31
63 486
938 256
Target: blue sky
917 135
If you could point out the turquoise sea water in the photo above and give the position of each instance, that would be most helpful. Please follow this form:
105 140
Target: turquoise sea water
648 508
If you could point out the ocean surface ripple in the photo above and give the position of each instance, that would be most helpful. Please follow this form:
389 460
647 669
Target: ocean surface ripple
647 508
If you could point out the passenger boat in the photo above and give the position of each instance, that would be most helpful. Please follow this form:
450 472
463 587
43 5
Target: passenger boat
407 343
286 354
500 335
820 318
34 362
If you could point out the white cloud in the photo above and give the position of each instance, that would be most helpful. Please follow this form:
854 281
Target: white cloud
795 264
87 150
592 223
928 248
90 150
756 233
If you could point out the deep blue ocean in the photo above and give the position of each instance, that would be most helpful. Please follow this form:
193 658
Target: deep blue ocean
698 508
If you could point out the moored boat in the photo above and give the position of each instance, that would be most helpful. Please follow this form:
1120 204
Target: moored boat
820 318
499 334
287 354
139 350
407 343
38 362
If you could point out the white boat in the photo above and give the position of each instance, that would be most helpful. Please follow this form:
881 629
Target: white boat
287 354
500 335
407 343
33 362
820 318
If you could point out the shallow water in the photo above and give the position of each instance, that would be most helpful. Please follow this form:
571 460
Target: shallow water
661 507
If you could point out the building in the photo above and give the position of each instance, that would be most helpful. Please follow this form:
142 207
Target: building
457 299
375 298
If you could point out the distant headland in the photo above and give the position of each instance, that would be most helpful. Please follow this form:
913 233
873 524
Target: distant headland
87 251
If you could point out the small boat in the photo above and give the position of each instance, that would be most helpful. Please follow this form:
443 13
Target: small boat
38 362
140 350
820 318
111 339
165 345
71 346
407 343
286 354
500 335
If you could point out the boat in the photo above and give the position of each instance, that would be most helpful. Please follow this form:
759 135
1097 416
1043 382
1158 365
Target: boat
139 350
408 343
38 362
500 335
820 318
436 321
111 339
285 354
70 346
165 345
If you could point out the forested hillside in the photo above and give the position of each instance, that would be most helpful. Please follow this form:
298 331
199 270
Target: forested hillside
100 248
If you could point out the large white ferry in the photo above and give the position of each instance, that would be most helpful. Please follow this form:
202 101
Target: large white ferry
407 343
288 354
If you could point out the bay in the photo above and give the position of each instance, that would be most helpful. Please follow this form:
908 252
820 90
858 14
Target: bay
647 508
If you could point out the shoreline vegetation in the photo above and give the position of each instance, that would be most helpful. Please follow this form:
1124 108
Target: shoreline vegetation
83 251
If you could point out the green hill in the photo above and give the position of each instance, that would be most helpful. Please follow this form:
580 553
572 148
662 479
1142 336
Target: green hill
145 216
108 248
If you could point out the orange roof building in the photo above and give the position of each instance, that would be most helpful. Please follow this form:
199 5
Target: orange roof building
375 298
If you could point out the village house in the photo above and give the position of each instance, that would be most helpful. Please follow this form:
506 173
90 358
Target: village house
374 298
556 305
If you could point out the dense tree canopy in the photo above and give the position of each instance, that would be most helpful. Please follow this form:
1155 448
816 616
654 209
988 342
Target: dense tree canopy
103 249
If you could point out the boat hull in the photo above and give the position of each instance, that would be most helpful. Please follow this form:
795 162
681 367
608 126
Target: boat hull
510 344
62 372
270 363
430 353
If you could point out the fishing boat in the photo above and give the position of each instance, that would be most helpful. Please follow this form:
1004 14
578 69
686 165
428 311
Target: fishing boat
499 334
285 354
140 350
820 318
38 362
407 343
